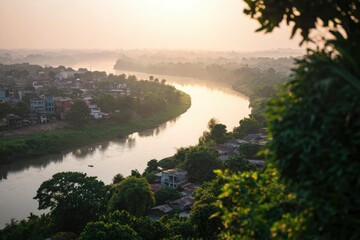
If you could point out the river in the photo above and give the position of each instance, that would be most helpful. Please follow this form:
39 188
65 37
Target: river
19 181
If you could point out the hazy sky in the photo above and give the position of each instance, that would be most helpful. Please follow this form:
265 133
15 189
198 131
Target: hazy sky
128 24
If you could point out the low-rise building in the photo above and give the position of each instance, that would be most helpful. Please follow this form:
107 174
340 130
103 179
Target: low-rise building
159 211
95 112
65 74
224 151
183 203
173 177
14 121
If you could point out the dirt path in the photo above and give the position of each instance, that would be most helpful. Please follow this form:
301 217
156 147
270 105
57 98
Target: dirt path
34 129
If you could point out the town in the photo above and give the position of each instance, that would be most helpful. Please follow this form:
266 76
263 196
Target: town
36 97
31 95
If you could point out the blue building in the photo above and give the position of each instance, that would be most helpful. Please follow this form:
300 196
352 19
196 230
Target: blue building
4 95
49 105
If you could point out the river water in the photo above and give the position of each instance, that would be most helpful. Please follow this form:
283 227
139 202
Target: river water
19 181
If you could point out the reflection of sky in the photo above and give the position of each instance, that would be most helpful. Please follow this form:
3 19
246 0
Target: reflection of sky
122 155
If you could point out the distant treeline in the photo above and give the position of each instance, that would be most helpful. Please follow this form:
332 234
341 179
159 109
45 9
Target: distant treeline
257 78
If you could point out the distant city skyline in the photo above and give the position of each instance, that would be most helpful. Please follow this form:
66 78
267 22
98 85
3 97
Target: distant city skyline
216 25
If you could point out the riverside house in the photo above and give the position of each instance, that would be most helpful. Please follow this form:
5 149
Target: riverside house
172 177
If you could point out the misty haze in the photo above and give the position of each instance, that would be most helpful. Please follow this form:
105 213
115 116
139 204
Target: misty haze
179 119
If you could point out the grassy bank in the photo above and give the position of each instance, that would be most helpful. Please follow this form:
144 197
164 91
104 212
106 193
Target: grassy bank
38 144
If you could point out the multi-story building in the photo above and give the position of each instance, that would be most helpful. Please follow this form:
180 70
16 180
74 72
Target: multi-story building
4 95
43 105
62 105
49 105
38 105
173 177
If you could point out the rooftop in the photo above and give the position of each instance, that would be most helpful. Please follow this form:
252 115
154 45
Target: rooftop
175 171
163 208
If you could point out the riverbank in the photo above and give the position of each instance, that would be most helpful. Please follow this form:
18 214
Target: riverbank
57 141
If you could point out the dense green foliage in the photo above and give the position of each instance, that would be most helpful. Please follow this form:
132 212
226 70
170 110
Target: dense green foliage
247 126
305 16
200 163
166 194
73 199
118 178
217 134
33 228
133 195
79 114
324 164
249 150
311 191
19 109
121 224
238 164
107 231
256 206
147 97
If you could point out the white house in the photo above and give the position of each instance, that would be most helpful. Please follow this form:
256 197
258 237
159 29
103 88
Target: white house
95 112
173 177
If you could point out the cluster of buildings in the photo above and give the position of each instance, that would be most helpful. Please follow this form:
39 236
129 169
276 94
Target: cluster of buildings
177 178
174 178
42 108
231 148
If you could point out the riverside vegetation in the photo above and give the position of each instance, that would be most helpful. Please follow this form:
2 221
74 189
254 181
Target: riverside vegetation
310 186
150 104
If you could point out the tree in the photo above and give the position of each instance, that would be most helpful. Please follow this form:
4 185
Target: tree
152 166
79 114
218 133
238 164
212 122
303 16
314 128
249 150
108 231
166 194
135 173
5 109
206 226
118 178
256 205
107 103
246 126
73 199
200 163
35 227
145 227
133 195
181 229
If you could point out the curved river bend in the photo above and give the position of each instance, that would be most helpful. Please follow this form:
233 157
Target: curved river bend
19 181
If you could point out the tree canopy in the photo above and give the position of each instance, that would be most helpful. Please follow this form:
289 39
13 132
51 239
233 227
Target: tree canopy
314 126
79 114
73 199
132 194
200 163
